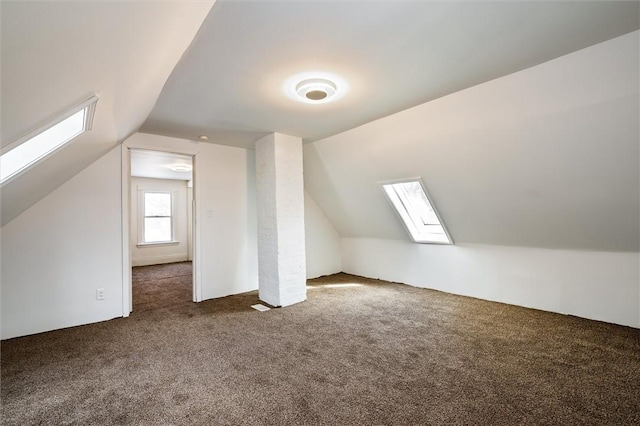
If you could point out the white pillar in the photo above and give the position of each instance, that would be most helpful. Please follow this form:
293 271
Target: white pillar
280 201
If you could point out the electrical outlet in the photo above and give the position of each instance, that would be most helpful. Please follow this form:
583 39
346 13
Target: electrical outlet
100 294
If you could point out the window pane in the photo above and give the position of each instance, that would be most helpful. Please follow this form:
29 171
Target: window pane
157 229
157 204
40 145
417 213
418 203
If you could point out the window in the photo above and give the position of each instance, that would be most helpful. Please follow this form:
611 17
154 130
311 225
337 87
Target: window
158 221
412 205
26 152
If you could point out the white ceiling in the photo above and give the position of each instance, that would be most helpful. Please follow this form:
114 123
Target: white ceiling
227 84
393 55
157 165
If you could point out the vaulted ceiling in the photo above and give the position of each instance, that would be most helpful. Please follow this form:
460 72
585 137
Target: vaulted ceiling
230 85
57 54
185 69
547 157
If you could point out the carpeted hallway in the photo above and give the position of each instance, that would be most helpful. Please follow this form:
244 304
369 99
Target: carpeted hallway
167 286
358 351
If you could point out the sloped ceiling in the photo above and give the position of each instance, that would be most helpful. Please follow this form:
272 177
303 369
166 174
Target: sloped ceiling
547 157
547 161
392 54
57 54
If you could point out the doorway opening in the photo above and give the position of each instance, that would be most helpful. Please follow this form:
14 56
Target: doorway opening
161 229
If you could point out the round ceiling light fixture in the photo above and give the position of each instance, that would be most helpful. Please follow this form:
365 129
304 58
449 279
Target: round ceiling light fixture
315 87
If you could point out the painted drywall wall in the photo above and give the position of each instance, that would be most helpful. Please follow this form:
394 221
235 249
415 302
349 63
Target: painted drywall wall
58 252
322 241
225 212
547 157
596 285
156 254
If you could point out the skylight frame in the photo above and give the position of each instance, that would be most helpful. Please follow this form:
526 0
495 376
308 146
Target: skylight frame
402 219
88 106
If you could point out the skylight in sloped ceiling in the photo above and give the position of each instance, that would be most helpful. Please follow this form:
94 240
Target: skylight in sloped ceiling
28 151
410 201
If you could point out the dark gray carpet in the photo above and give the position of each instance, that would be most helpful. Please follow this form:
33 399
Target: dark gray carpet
369 353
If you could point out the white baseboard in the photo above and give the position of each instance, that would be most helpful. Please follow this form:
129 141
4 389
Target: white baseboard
157 260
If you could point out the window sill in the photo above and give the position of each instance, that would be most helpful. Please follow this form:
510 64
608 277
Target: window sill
164 243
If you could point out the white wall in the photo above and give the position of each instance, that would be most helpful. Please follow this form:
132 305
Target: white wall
156 254
60 250
603 286
224 187
322 241
228 174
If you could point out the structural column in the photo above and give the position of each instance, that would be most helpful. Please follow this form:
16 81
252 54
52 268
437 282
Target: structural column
280 202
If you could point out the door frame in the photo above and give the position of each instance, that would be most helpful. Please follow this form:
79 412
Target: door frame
127 293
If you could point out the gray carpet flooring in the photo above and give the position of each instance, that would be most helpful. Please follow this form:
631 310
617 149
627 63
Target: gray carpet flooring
357 352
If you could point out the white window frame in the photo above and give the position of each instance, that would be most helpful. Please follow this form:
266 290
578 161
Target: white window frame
88 106
402 218
142 215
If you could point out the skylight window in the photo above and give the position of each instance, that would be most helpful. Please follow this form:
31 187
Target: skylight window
26 152
412 205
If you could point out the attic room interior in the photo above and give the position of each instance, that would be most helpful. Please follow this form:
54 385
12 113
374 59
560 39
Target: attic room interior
310 212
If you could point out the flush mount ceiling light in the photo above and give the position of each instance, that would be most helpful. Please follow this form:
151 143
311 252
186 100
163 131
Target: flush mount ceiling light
315 87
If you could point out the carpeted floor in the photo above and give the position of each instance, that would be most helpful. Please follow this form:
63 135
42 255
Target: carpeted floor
358 351
167 286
